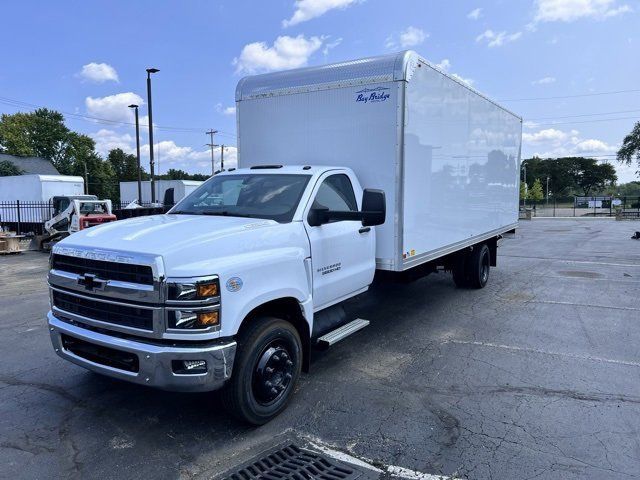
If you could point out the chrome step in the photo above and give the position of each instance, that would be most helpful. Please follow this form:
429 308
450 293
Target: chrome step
344 331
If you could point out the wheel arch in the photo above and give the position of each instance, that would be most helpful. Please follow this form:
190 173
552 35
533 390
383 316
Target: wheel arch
290 310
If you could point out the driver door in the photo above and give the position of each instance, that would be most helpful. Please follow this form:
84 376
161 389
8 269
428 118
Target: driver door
342 252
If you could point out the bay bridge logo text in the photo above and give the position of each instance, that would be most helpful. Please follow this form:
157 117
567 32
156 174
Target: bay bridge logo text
371 95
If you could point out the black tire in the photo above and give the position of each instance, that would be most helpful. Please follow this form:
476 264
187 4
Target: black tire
266 369
479 266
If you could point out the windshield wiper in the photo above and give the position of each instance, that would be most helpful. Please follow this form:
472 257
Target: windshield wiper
223 213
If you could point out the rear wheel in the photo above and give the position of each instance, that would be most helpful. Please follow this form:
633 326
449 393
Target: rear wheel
267 367
479 265
471 270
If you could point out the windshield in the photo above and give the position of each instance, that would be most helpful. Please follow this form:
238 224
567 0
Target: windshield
268 196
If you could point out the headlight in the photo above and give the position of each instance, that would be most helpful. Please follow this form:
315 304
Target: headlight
193 304
207 288
193 319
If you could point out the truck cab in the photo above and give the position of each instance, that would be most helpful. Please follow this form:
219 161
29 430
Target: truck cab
222 291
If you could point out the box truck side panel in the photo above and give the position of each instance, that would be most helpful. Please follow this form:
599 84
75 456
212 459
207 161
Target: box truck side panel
53 186
332 127
461 164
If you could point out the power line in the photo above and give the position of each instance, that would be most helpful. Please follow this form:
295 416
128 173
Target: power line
79 116
569 96
586 121
585 115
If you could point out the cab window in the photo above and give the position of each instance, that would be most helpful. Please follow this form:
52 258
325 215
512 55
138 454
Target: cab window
336 193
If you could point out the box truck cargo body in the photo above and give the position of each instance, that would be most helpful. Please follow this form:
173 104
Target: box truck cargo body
181 188
35 193
446 156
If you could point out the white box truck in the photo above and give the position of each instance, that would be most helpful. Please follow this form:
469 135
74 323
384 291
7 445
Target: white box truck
178 188
32 191
241 280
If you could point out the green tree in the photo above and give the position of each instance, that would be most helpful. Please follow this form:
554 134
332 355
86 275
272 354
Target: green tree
40 134
177 174
125 166
631 147
8 169
536 194
594 176
524 191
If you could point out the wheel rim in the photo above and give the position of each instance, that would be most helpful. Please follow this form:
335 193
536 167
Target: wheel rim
484 273
273 373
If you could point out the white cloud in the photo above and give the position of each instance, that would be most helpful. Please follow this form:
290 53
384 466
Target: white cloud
98 73
445 66
412 36
308 9
530 124
225 110
114 107
497 39
286 52
550 135
409 37
544 81
571 10
474 14
168 154
331 45
107 140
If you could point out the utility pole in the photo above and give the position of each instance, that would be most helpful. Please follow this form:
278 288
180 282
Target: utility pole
86 179
135 107
222 147
547 190
211 133
153 190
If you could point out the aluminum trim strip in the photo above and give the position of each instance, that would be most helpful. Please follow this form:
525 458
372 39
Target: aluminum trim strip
434 254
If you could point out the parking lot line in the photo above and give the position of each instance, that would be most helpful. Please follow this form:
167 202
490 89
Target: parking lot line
545 352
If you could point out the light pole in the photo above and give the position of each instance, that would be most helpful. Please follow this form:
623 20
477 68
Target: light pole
153 190
547 190
135 108
524 200
211 133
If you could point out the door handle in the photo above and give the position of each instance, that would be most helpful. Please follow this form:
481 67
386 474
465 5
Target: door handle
364 230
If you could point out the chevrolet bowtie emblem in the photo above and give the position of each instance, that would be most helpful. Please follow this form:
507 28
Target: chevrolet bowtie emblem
91 282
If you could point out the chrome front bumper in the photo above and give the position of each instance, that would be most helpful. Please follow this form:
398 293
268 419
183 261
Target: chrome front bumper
155 361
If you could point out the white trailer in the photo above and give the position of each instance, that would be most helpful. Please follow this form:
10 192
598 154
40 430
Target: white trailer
446 156
181 188
32 191
39 187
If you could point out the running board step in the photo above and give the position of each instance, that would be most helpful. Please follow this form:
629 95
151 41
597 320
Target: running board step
343 332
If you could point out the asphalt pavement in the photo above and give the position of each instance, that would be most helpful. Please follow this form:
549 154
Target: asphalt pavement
535 376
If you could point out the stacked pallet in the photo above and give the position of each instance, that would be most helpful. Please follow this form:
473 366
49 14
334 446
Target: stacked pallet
10 242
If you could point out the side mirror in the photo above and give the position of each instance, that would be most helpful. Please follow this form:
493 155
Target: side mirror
374 207
318 216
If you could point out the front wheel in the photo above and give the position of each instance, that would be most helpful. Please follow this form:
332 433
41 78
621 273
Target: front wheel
267 367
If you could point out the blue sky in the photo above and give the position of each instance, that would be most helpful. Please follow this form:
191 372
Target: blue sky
88 59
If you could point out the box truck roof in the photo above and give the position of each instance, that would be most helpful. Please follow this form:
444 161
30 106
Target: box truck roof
383 68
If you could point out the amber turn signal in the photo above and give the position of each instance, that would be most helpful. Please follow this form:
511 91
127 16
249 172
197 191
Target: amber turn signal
208 319
206 290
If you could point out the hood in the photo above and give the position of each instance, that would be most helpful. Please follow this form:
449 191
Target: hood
174 235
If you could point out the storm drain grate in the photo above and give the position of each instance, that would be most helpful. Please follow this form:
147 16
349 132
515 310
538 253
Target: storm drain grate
292 463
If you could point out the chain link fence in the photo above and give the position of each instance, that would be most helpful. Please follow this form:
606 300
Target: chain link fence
576 206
